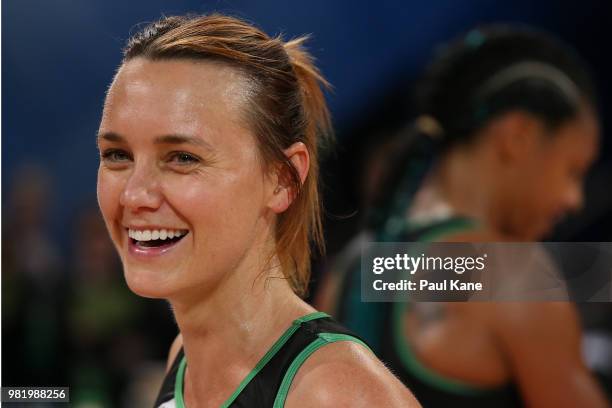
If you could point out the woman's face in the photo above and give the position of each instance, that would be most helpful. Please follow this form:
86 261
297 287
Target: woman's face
549 184
177 160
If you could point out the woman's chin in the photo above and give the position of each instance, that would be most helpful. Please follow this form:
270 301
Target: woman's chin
147 283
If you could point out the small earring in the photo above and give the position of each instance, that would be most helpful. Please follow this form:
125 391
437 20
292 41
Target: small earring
277 190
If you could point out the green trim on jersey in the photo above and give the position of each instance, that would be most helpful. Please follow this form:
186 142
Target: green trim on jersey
180 374
309 317
438 231
322 340
178 384
425 374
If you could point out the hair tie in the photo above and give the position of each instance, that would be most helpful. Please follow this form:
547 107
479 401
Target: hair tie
474 39
430 126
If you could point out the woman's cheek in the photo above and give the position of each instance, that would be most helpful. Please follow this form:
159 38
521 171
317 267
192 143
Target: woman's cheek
108 196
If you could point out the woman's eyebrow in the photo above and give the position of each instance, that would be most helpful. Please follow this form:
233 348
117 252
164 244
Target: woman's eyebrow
164 139
109 136
183 139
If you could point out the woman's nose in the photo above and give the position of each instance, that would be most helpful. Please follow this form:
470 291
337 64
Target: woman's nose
142 190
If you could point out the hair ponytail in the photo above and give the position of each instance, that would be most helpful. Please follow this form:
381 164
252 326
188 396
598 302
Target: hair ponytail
317 133
413 152
311 84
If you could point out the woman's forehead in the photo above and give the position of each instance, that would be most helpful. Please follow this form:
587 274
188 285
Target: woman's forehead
177 96
179 84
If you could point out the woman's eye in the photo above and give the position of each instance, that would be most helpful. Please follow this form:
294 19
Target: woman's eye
115 155
183 158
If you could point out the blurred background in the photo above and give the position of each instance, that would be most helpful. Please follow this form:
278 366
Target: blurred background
68 318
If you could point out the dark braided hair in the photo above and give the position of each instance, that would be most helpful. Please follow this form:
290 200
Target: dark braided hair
494 69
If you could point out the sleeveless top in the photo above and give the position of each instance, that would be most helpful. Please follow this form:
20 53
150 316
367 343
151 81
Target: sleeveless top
381 325
267 385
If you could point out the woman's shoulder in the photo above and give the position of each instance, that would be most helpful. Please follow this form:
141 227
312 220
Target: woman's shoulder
347 374
342 373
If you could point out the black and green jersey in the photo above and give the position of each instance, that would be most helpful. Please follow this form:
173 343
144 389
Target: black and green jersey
381 325
267 385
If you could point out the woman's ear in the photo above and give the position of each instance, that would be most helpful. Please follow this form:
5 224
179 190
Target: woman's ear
517 134
284 190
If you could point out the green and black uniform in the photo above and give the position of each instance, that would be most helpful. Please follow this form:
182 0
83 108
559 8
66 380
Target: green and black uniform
267 385
381 325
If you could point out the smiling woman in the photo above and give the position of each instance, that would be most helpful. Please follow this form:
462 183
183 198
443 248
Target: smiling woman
208 186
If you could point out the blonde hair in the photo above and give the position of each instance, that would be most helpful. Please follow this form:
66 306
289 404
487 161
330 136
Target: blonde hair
287 105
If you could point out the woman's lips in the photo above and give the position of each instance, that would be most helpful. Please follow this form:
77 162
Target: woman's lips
146 252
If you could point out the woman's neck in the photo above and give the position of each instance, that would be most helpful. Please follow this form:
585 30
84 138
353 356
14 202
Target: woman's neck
456 186
225 334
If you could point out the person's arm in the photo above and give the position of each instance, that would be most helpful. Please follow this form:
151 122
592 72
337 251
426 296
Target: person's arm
346 374
542 343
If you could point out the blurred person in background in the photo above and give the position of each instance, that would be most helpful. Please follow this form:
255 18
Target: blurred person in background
33 284
114 337
208 186
507 130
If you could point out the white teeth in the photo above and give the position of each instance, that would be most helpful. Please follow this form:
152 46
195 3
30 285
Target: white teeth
148 235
